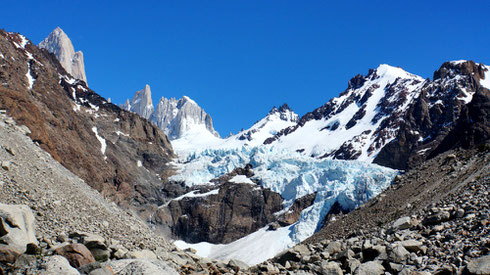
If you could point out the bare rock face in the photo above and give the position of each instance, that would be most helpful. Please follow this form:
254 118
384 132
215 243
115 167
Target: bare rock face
60 45
222 216
116 152
452 111
141 103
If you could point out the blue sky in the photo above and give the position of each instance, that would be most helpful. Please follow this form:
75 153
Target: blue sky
237 59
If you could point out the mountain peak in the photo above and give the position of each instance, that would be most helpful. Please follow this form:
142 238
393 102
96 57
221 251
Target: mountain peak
59 44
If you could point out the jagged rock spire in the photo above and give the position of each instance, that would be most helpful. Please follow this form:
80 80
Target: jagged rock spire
60 45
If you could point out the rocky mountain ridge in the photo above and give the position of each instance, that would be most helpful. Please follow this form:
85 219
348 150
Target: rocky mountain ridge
384 109
174 117
117 152
60 45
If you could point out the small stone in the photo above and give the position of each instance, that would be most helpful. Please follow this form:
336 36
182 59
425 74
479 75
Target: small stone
6 165
10 151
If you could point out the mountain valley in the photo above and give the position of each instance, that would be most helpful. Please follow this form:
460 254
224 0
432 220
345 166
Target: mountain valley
383 178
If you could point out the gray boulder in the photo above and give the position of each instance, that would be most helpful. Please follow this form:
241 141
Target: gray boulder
370 268
59 265
140 266
331 268
16 227
479 266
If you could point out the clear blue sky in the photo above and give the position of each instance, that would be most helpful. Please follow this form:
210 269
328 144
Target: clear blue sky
237 59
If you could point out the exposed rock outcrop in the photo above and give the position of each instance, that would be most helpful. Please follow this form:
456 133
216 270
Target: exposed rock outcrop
226 213
174 117
60 45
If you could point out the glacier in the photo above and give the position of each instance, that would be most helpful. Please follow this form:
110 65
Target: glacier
293 175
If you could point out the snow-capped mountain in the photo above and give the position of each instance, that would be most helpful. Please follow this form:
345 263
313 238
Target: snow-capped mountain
177 118
60 45
354 125
276 120
372 111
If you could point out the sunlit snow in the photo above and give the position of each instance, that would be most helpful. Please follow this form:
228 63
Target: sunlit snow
103 144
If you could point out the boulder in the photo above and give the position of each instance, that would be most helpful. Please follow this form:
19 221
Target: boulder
399 254
370 268
331 268
142 254
59 265
140 266
8 255
77 254
334 247
402 223
436 218
237 263
106 270
95 243
479 265
16 228
412 245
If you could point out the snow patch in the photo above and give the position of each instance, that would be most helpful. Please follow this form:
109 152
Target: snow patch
486 81
241 179
30 79
102 141
251 249
138 163
193 194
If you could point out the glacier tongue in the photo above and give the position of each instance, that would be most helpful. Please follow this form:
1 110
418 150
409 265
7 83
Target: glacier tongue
293 175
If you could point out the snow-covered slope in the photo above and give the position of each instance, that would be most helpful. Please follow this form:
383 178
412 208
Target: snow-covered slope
353 126
293 175
276 120
60 45
179 119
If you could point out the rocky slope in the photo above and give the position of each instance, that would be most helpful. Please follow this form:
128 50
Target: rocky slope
175 117
432 221
76 230
392 117
116 152
60 45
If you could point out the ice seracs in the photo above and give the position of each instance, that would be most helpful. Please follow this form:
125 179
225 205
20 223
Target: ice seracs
60 45
293 175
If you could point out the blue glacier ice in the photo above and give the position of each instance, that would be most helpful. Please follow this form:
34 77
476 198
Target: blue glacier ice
293 175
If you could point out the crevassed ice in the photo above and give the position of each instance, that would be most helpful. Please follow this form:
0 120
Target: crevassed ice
293 175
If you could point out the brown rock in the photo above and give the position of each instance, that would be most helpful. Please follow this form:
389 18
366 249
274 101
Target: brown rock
77 254
8 255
